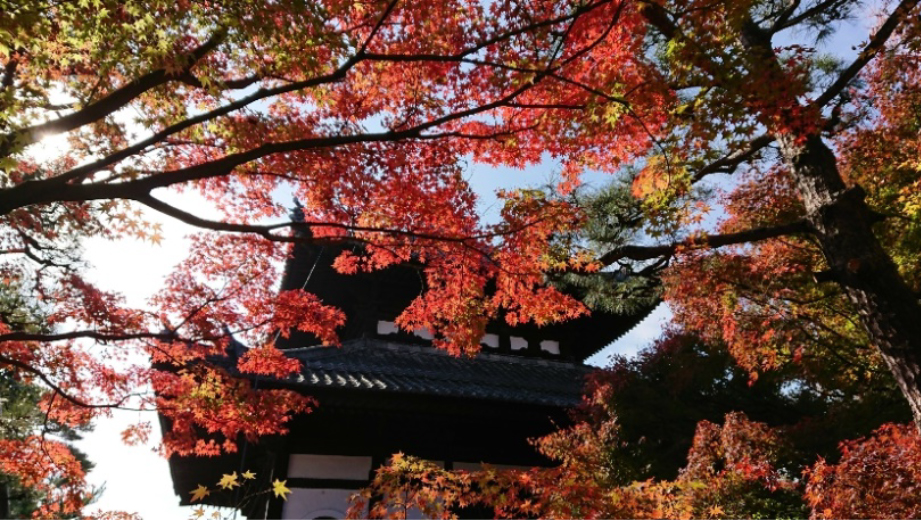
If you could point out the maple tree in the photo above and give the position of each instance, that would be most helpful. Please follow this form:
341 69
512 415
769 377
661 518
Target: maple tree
366 112
691 459
240 492
737 469
731 473
361 110
688 381
22 422
877 477
26 430
816 256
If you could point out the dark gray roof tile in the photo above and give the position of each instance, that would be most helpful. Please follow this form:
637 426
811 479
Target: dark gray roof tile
375 365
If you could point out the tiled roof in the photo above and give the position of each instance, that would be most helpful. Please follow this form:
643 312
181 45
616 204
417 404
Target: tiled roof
375 365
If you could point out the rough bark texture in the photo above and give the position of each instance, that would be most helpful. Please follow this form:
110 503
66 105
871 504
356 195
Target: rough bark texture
842 223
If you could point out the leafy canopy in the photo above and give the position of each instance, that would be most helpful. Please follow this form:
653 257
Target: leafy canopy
368 111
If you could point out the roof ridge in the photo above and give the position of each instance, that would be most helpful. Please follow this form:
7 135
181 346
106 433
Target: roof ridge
378 343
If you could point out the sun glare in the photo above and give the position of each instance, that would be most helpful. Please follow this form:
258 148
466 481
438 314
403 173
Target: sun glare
49 148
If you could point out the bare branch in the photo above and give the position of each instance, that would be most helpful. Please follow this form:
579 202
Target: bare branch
659 18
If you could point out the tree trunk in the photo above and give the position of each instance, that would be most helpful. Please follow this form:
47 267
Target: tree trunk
4 501
842 222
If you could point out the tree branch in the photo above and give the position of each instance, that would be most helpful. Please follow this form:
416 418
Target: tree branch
377 27
785 15
632 252
787 18
81 173
57 389
304 228
232 84
730 162
107 105
85 334
459 56
51 190
658 17
876 44
9 73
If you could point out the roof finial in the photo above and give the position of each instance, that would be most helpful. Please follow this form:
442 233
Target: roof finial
297 212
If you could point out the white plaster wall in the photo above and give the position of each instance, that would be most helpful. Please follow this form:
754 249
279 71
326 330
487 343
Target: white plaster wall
340 467
387 327
307 504
491 340
548 345
518 343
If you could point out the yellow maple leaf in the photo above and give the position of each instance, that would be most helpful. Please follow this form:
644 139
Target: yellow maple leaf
199 493
248 475
278 487
228 481
198 513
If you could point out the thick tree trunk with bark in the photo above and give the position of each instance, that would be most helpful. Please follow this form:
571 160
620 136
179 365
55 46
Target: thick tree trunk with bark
842 223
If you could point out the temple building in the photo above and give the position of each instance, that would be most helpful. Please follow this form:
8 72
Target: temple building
386 391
